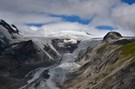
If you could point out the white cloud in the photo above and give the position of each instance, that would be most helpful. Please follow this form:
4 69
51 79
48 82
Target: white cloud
24 18
124 16
105 12
62 26
35 8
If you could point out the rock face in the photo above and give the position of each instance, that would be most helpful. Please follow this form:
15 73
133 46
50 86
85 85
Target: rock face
108 66
6 33
20 55
25 53
10 29
112 36
17 51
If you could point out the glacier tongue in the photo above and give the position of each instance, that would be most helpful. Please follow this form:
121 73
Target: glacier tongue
59 72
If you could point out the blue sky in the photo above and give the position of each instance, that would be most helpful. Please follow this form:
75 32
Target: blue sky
85 21
66 18
129 1
105 27
73 18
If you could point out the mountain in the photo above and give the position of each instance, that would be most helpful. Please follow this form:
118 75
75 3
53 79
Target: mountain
65 60
20 55
109 65
112 36
8 34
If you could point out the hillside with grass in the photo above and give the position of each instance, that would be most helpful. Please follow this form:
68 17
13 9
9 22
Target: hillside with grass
110 65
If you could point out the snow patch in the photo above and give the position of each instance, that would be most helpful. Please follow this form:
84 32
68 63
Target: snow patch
72 41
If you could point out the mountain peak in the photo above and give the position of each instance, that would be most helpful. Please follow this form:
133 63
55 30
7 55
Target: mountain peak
11 28
111 36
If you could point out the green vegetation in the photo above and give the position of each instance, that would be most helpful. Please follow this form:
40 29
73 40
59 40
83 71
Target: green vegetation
128 49
127 52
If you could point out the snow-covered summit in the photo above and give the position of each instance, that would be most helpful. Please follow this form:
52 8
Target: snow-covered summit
77 35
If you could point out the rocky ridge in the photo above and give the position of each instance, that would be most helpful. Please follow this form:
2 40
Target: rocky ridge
110 65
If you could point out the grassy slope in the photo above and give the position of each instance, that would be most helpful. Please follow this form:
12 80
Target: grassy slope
126 58
116 59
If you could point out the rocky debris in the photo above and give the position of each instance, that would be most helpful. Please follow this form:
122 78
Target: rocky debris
112 36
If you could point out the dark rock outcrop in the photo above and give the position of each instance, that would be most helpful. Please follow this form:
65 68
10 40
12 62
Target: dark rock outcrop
25 52
8 34
112 36
8 27
22 55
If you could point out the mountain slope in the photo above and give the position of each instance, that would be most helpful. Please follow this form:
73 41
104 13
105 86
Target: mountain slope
20 55
67 61
109 66
20 51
